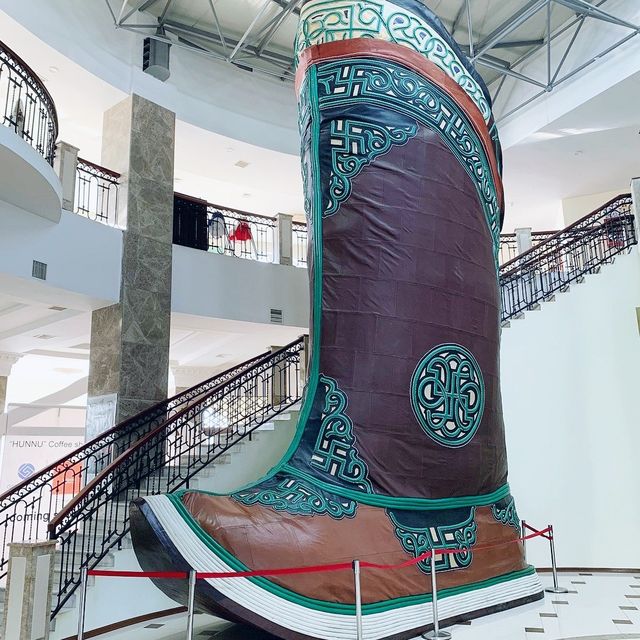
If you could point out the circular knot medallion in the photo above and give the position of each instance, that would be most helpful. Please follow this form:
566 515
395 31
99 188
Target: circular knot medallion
447 395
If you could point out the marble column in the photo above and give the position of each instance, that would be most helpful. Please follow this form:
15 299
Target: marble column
129 361
27 601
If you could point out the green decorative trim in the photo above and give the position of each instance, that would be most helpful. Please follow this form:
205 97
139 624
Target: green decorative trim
327 21
354 145
309 117
507 514
448 395
461 536
332 607
392 502
394 87
335 452
297 496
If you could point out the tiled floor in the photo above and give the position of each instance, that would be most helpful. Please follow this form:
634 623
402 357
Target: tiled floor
598 607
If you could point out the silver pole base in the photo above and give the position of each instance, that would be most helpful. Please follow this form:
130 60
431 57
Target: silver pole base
557 590
430 635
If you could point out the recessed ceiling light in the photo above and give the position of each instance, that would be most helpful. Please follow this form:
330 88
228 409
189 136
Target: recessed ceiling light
53 69
243 164
58 308
44 336
578 153
246 195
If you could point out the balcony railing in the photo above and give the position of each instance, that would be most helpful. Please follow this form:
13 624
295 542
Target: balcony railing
241 234
509 244
96 193
27 107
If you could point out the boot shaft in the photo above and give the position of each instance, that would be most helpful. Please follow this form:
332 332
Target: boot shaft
404 204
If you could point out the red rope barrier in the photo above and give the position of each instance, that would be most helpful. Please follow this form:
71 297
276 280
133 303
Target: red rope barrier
342 566
548 530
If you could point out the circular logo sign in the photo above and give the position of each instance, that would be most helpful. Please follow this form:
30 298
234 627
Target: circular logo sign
26 470
447 395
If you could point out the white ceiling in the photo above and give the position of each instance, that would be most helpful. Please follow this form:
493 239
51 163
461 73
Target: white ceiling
593 149
54 344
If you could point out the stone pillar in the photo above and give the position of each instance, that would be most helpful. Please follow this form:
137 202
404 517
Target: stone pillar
278 381
635 195
65 165
187 377
285 239
129 358
7 360
523 239
27 601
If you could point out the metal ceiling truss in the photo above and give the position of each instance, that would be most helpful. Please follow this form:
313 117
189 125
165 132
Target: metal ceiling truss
478 52
252 52
249 52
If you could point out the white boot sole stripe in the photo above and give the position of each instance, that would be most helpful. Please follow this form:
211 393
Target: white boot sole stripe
318 624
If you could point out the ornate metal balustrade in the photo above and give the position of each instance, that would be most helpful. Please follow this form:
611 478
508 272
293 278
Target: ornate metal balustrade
244 235
509 245
27 107
96 193
168 457
567 256
25 509
300 240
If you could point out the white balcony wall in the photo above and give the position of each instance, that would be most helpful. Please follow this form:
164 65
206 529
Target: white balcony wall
83 258
84 263
209 284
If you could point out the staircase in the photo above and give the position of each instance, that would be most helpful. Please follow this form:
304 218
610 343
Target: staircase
565 258
245 462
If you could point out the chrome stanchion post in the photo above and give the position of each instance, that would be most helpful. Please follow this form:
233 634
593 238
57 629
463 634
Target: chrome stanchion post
192 603
356 578
83 603
523 533
554 567
436 633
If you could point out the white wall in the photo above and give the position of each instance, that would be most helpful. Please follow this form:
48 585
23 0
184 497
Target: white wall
570 384
83 258
575 208
208 284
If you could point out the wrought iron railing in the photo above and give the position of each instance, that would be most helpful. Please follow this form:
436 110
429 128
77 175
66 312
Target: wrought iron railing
244 235
567 256
300 243
509 244
168 457
27 107
26 509
96 193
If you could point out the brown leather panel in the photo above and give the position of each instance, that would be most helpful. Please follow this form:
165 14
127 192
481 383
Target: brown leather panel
374 48
408 265
262 538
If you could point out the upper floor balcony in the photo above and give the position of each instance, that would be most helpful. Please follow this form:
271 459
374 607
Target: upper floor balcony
27 139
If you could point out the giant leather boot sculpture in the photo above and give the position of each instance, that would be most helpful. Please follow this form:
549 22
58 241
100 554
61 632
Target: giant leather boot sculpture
400 446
